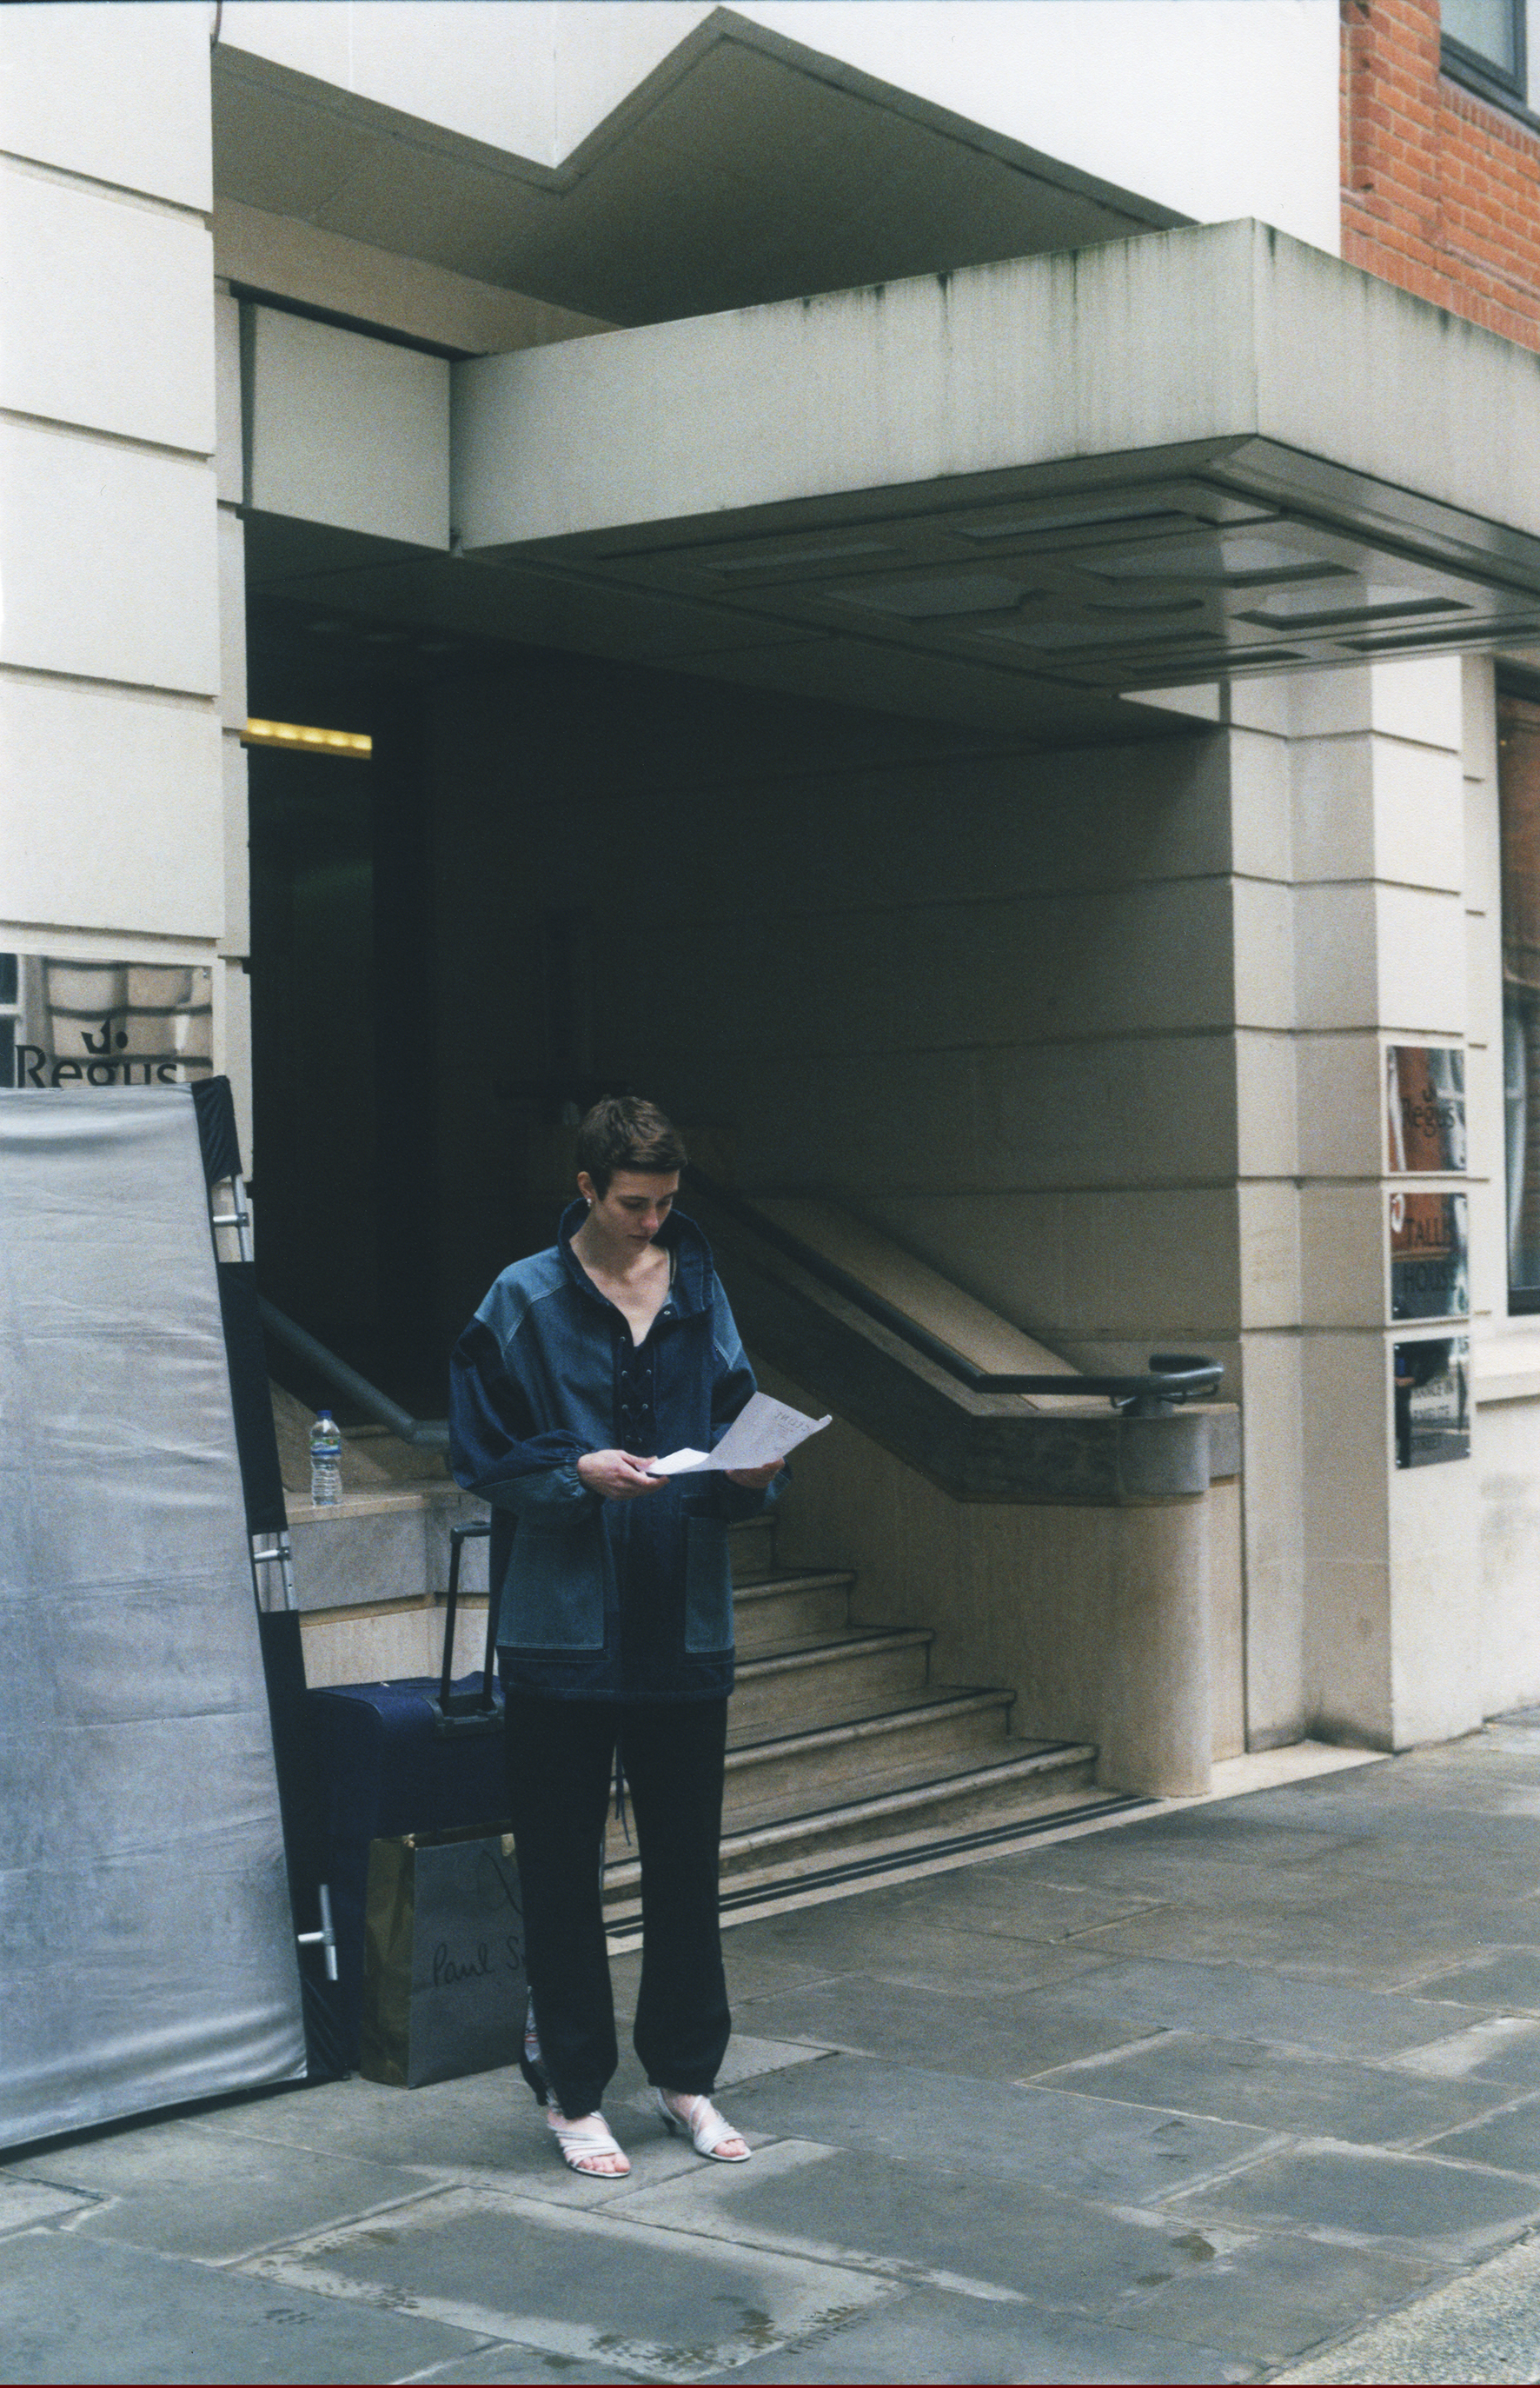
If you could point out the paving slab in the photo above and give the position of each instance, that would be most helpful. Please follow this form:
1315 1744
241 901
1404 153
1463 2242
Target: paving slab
24 2203
1244 2081
1509 2139
748 2056
1440 2209
1508 1978
1271 2299
998 2038
594 2285
1247 2295
920 2221
1482 2328
995 1897
1503 2049
888 1936
1223 2089
1331 1943
484 2121
502 2365
930 2336
1086 2146
186 2190
75 2309
1244 2003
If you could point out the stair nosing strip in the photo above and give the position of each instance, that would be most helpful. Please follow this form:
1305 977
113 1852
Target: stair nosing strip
880 1861
1057 1760
914 1794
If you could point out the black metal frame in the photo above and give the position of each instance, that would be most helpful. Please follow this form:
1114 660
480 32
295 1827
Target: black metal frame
467 1711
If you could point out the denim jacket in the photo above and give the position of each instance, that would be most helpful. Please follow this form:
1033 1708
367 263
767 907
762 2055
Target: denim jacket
625 1600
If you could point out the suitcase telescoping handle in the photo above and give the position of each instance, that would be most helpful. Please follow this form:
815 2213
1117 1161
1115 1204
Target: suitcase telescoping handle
467 1711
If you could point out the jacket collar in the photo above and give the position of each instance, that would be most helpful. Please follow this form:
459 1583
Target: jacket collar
679 1235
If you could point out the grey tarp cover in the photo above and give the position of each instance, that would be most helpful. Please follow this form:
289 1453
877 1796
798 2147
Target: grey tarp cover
147 1943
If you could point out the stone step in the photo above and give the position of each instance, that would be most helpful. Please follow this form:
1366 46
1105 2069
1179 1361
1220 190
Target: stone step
1022 1774
940 1731
753 1548
378 1546
784 1610
830 1680
1038 1779
940 1734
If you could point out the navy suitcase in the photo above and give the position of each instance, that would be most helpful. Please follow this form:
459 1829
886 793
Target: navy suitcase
418 1756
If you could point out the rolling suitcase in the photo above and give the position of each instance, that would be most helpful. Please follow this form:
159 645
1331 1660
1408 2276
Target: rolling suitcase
422 1754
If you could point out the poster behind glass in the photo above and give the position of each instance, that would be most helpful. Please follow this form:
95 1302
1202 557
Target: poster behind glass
104 1023
1433 1401
1426 1109
1430 1255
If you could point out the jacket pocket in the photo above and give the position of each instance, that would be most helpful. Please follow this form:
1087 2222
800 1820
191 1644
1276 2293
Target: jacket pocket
553 1593
708 1585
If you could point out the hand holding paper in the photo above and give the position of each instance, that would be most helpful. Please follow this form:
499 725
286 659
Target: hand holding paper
761 1436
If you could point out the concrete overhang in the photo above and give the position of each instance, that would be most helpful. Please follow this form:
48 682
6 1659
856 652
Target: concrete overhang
744 167
978 496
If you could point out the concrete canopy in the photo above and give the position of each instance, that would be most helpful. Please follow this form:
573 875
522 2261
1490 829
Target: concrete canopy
1200 453
744 167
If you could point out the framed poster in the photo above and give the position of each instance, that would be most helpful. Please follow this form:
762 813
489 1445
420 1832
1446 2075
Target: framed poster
1433 1401
1426 1109
1430 1255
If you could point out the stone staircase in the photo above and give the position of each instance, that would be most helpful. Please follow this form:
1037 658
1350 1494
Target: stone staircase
841 1748
844 1753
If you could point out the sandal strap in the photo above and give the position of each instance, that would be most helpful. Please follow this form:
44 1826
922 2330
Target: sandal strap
706 2127
574 2142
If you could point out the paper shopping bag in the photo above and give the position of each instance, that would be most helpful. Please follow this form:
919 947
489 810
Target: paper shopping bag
444 1987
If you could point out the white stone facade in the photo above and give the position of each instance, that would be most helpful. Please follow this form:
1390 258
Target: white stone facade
1093 1022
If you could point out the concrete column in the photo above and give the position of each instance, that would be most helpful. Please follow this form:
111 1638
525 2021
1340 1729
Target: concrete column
1390 1623
1261 838
1156 1727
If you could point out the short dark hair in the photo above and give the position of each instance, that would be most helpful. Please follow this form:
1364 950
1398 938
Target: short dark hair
623 1132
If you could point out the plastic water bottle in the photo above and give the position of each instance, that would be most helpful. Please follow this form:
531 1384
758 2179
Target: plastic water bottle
325 1459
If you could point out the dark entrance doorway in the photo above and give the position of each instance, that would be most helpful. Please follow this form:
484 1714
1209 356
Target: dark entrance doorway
342 1008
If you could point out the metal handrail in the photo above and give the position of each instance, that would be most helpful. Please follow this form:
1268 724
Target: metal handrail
1172 1377
430 1433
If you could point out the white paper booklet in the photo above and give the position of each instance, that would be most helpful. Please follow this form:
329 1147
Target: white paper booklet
763 1431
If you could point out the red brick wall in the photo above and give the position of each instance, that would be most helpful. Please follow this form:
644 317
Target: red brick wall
1441 191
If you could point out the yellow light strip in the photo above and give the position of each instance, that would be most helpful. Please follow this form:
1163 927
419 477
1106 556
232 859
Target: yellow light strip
296 736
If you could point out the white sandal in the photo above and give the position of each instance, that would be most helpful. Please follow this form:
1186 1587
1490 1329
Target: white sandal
707 2128
578 2139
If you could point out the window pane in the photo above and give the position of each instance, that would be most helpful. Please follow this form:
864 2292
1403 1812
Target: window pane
1519 789
1488 27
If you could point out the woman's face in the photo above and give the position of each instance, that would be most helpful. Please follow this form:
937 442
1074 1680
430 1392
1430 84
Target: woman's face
633 1207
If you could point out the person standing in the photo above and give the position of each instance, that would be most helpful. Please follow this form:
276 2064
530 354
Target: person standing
584 1365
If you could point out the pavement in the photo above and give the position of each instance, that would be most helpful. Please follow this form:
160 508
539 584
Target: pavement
1242 2091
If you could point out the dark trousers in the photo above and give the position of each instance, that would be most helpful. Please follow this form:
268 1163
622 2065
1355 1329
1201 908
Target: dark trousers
561 1763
